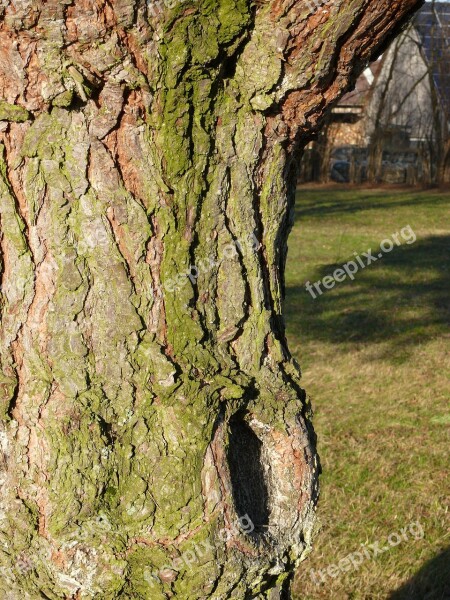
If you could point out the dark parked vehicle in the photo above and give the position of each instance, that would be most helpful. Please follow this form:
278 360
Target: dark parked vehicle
349 164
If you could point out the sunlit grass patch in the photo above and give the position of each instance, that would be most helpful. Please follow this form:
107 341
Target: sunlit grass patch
375 359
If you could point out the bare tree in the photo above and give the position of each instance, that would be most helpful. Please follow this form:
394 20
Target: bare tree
439 59
411 94
401 101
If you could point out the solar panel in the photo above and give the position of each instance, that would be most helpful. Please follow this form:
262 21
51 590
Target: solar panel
433 25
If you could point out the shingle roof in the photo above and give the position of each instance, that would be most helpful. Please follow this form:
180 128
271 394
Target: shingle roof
358 95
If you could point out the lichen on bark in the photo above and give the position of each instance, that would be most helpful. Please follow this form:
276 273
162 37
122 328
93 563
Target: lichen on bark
142 409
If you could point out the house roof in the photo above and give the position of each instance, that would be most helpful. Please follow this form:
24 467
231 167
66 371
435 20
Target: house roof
357 97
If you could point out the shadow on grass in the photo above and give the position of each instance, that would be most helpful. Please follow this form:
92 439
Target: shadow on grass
432 582
337 203
403 299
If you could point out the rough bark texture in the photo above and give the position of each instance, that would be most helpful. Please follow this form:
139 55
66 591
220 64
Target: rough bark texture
142 411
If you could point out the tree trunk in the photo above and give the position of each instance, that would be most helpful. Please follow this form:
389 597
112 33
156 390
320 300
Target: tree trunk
156 441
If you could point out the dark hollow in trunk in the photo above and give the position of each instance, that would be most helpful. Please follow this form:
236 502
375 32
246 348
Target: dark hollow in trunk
248 474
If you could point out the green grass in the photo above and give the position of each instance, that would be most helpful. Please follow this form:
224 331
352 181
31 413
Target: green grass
375 359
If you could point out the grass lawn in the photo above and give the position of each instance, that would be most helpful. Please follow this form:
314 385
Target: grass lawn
375 357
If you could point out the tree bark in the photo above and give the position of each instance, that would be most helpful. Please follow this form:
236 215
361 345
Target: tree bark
155 438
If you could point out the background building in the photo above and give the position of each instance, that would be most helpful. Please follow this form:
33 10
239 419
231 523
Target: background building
394 126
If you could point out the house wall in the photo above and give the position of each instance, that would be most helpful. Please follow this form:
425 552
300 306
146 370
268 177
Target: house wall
402 95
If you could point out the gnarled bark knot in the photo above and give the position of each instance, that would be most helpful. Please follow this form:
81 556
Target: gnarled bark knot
258 474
